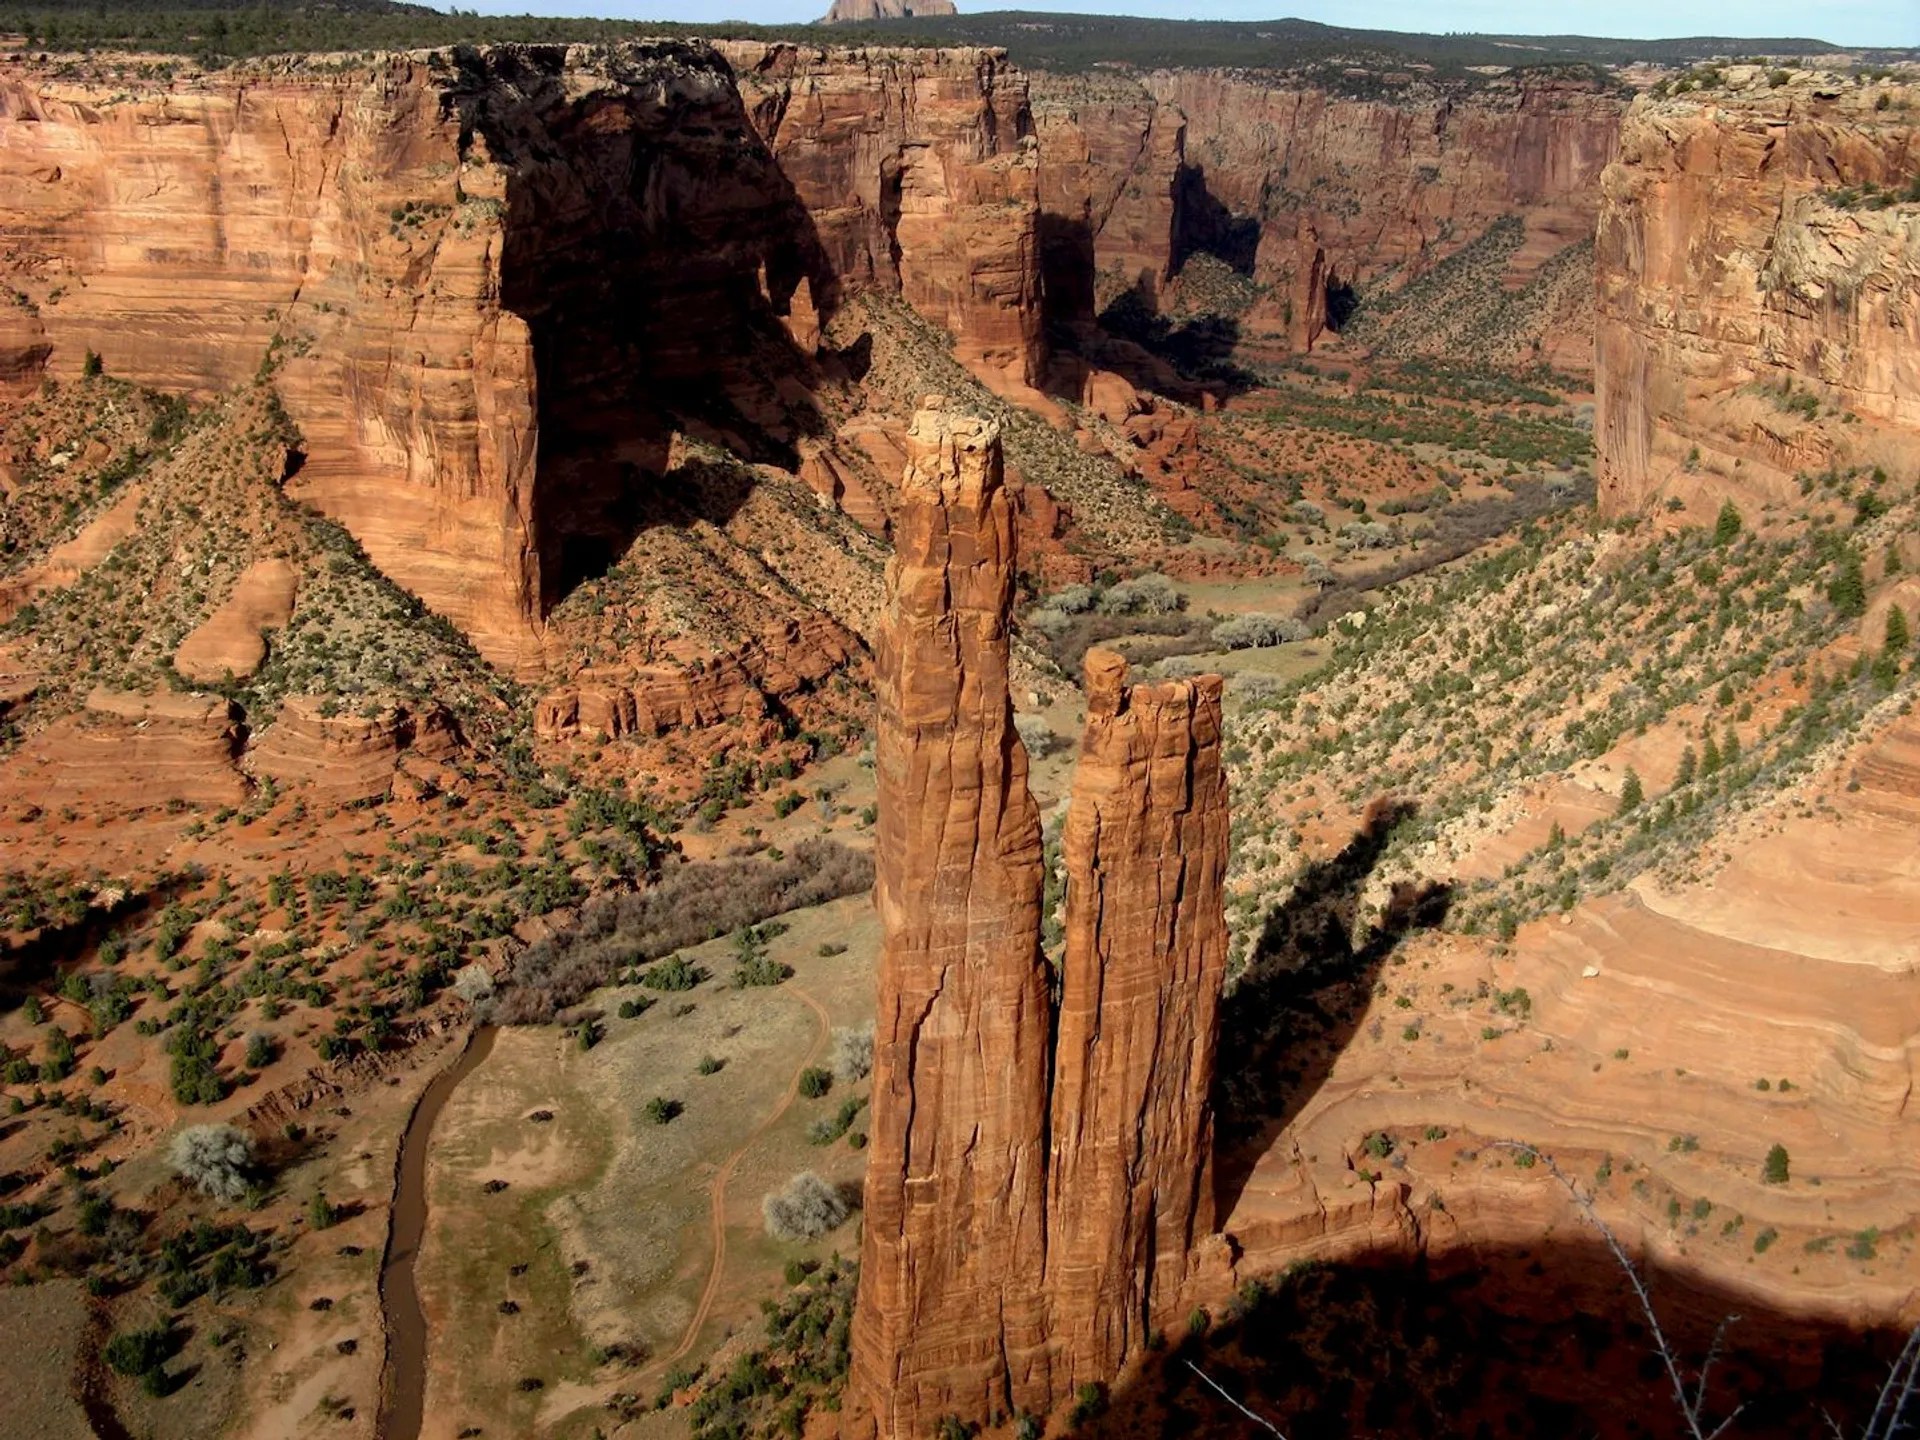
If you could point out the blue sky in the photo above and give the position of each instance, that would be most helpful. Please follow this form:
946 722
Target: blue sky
1846 22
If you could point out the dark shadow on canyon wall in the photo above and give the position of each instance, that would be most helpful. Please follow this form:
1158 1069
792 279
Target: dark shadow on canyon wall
1202 225
652 245
1200 348
1305 993
1543 1342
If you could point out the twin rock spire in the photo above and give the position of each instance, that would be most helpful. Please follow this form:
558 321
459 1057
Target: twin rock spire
1035 1182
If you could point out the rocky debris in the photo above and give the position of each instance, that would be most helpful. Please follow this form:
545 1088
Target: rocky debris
994 1275
232 641
1740 296
1130 1179
127 751
343 756
950 1318
783 662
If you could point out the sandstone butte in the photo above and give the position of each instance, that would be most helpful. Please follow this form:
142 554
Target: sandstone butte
844 12
1029 1206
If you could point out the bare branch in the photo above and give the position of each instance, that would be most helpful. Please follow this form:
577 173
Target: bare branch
1689 1410
1214 1385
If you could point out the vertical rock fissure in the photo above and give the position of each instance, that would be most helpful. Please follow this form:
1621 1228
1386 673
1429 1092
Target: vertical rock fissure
1036 1175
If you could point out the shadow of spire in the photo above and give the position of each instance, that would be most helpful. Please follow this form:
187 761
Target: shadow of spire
1305 992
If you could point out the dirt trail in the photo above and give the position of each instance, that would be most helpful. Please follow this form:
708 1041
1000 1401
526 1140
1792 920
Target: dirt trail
718 1216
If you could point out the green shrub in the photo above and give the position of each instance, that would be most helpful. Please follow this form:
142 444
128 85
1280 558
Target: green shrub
815 1081
1778 1167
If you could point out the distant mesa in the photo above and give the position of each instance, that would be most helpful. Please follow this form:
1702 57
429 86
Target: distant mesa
846 12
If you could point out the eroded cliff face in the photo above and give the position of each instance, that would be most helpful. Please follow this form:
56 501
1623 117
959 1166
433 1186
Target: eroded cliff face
951 1316
495 289
1130 1188
1744 304
1301 189
918 173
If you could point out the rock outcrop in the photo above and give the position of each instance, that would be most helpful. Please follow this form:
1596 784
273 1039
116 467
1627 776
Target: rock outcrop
1029 1210
1129 1183
1751 285
343 756
951 1318
125 751
845 12
651 700
232 641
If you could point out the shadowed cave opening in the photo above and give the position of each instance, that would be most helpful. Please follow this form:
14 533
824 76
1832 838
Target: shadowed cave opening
651 244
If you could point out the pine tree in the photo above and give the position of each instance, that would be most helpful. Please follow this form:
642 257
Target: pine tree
1689 764
1710 756
1726 529
1898 636
1848 590
1631 793
1730 748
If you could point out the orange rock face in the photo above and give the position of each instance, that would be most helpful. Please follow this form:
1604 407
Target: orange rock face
1030 1210
1130 1180
127 751
911 165
950 1316
1726 270
651 700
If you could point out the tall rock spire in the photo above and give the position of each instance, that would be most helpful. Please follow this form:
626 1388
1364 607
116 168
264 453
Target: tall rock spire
1130 1178
951 1316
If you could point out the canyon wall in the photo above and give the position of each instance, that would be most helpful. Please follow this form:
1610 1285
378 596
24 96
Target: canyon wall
494 288
916 168
950 1317
1130 1183
1735 269
1295 186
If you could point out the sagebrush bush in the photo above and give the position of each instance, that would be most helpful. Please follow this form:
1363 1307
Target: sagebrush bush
851 1054
214 1158
1147 595
806 1208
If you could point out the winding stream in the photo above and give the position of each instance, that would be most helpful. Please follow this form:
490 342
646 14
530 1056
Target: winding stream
403 1389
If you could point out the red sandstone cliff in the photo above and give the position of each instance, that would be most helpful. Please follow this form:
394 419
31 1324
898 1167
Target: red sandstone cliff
950 1317
1732 276
913 166
496 290
1130 1180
